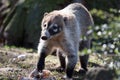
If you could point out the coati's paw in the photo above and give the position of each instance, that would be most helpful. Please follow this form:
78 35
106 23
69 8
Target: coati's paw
44 75
34 73
60 69
82 71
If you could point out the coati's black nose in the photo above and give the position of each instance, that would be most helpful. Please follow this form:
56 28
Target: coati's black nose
44 38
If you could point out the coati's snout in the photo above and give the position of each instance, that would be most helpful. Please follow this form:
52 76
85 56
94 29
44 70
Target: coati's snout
44 38
45 35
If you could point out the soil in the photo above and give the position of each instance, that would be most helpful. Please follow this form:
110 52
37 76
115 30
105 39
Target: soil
15 62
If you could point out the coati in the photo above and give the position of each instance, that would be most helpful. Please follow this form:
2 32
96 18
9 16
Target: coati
62 30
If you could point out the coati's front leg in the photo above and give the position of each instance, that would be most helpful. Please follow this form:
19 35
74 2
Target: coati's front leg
40 65
43 51
41 61
70 65
67 62
71 59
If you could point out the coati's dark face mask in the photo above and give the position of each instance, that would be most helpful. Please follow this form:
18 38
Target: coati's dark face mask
51 26
49 31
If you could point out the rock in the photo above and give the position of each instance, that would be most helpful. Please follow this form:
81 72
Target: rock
21 57
6 69
25 78
45 75
100 74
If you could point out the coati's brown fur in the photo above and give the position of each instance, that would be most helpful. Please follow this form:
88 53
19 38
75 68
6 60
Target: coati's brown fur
62 30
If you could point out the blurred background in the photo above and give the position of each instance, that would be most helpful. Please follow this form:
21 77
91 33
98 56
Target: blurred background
20 22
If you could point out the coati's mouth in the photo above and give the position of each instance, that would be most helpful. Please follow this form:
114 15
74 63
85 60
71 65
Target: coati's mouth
49 37
44 37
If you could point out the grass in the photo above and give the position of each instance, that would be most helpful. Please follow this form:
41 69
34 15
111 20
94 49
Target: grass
24 67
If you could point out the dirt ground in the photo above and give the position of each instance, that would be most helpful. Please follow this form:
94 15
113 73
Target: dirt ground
15 62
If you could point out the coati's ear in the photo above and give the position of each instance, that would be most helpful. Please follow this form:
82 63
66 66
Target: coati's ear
65 20
45 13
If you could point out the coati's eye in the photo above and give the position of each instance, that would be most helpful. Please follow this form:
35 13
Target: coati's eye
44 25
54 29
